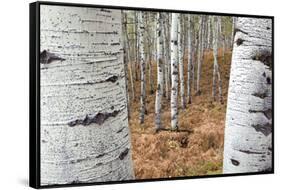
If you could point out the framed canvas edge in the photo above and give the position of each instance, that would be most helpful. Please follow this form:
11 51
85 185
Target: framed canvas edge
34 93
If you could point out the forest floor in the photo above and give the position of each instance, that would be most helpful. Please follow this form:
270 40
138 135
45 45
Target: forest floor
198 148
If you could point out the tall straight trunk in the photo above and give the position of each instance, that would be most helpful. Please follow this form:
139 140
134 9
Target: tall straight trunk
160 82
126 57
194 55
149 52
137 58
216 72
130 64
166 40
199 55
174 71
180 60
233 29
248 128
189 66
142 66
84 131
209 33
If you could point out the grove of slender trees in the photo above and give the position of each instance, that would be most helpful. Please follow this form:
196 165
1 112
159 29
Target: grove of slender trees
248 125
163 41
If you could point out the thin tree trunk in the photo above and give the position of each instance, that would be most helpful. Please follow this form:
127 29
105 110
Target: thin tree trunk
233 29
160 82
84 131
216 72
166 43
130 62
142 67
180 60
248 128
189 67
199 56
174 71
125 58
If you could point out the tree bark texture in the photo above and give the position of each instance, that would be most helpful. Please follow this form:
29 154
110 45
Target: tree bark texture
142 66
248 129
84 123
174 71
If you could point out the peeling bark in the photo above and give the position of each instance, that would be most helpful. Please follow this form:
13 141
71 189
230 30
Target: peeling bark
84 121
248 130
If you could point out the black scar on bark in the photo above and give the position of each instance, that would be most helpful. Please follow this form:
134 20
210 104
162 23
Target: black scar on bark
112 79
250 152
261 95
268 80
239 30
120 130
239 41
235 162
159 33
267 113
264 56
100 155
158 87
47 57
265 129
99 119
124 153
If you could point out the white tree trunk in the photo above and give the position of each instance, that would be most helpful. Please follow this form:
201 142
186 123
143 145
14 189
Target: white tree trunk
189 67
180 60
160 82
216 72
166 40
84 124
233 29
174 71
248 130
199 55
142 66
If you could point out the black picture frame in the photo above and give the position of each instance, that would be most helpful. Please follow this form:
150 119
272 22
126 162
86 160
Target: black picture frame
34 92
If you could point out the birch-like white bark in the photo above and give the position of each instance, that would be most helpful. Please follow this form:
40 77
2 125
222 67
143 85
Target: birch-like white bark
248 129
199 55
174 71
166 40
180 60
142 66
216 71
84 130
160 82
189 67
130 63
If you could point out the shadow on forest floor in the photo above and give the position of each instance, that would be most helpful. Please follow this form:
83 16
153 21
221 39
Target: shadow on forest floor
197 149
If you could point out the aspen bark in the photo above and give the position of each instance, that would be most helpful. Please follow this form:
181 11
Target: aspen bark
216 72
199 55
160 82
248 128
142 66
84 123
189 67
166 40
126 58
174 71
180 60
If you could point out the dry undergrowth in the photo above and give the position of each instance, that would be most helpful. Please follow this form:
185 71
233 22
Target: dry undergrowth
195 150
